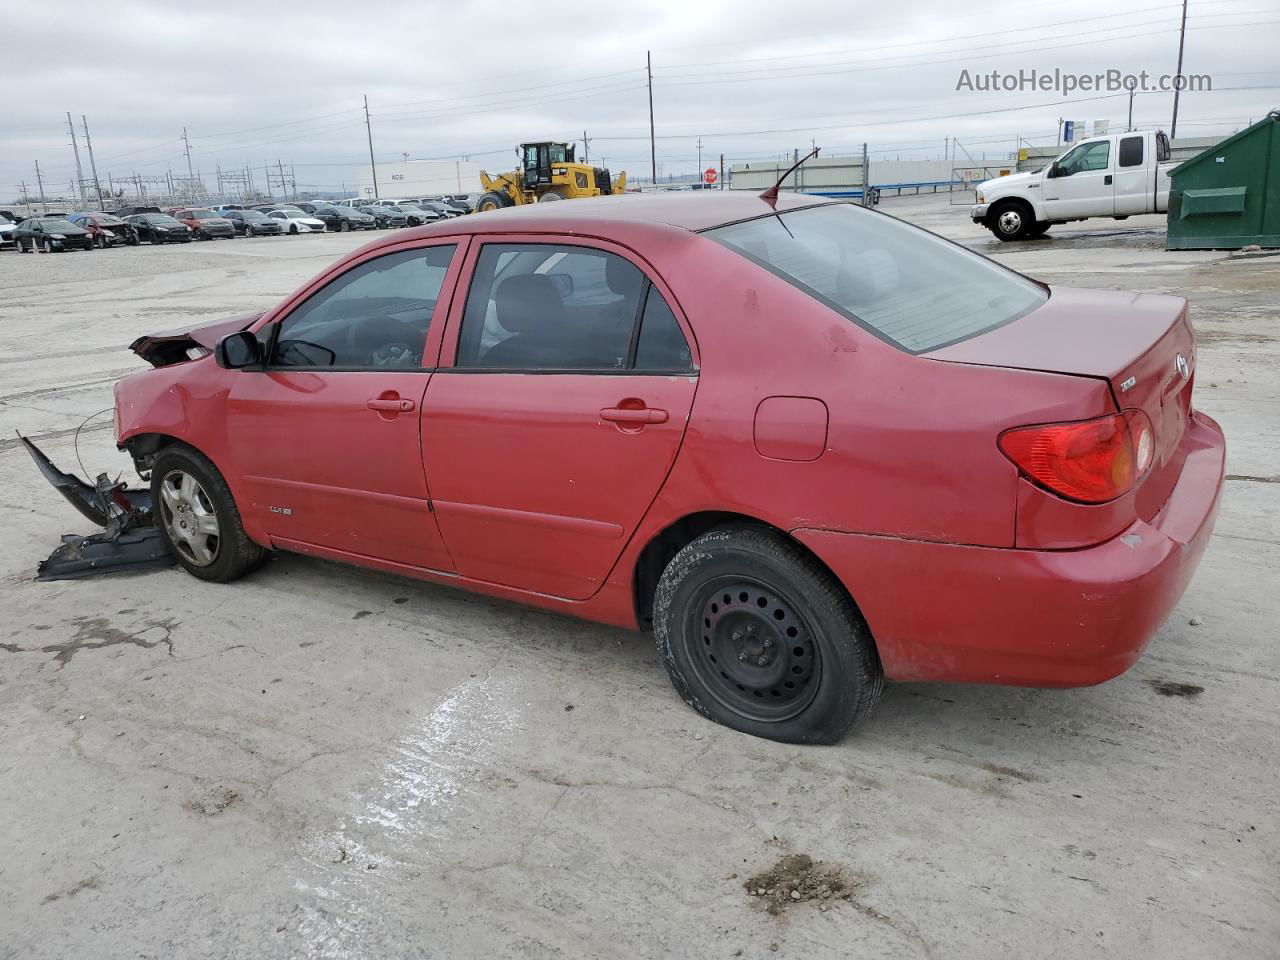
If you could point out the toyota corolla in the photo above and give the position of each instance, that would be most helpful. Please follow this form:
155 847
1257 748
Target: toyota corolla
809 446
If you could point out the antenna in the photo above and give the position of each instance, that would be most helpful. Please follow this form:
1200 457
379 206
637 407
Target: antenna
770 196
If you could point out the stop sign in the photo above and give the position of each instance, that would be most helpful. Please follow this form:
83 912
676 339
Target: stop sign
709 175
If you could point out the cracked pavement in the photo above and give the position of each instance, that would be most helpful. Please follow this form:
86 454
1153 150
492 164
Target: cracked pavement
327 763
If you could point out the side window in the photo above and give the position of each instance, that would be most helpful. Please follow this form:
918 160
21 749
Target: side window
1096 156
374 316
550 307
1131 151
661 344
1163 150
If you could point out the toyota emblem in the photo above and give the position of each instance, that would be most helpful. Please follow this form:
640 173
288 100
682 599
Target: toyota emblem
1180 364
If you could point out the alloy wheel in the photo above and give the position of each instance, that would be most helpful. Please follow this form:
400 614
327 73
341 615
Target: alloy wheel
189 518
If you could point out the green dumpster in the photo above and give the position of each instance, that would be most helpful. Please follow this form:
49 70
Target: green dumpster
1229 196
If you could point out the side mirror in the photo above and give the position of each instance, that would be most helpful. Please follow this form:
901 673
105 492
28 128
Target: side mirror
237 351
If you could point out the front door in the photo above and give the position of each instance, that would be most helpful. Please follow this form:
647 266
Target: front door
556 413
326 437
1083 186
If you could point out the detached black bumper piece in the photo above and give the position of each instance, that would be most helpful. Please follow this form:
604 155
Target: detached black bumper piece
129 541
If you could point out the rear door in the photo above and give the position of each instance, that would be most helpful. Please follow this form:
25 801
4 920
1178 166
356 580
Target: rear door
565 384
1084 184
326 436
1133 176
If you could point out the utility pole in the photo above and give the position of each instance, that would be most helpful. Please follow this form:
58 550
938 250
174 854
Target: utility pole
97 187
373 167
866 179
283 188
586 149
44 206
699 158
1177 78
26 200
653 149
190 175
1131 89
75 147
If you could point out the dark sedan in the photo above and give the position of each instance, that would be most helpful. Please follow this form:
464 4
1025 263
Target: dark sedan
107 229
253 223
342 219
159 228
386 217
51 234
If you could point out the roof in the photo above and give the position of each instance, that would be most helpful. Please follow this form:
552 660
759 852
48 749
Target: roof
684 210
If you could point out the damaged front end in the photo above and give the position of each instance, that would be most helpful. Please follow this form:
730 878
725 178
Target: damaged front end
130 540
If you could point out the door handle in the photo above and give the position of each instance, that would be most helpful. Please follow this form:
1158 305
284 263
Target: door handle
1106 181
394 404
624 415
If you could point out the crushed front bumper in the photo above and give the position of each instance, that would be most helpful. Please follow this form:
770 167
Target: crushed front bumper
130 540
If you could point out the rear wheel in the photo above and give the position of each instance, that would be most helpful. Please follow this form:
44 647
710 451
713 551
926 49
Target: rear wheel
1011 220
198 517
550 195
492 200
755 634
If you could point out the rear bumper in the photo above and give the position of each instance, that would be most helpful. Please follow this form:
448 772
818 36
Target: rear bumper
1039 618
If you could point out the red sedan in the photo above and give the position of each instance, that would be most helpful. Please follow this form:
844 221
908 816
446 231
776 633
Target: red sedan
810 446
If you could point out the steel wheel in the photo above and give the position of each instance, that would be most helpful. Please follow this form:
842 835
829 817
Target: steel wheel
189 517
752 649
1010 222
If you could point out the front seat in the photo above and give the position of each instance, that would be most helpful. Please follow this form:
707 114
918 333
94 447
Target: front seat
530 308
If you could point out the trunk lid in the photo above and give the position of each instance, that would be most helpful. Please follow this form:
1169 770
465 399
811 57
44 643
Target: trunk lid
1141 344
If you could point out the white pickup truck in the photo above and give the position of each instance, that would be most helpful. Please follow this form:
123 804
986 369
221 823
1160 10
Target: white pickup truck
1116 176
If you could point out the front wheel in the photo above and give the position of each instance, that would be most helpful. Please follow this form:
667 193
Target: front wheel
755 634
1011 220
492 200
343 227
198 518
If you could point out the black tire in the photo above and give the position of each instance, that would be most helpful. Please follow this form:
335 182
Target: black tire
343 227
234 554
1011 220
18 244
794 661
1040 228
492 200
550 195
99 242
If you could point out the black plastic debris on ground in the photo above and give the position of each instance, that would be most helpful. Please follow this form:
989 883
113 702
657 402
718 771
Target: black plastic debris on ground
129 542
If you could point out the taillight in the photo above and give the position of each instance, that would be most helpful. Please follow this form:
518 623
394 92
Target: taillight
1091 461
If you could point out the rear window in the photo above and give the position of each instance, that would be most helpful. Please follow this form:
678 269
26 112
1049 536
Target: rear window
903 284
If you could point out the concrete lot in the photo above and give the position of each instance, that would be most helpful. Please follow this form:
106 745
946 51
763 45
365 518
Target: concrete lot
320 762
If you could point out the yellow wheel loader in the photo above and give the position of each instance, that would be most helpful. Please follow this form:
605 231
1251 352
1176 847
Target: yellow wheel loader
547 171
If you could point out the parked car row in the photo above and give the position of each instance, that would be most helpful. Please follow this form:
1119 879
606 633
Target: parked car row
135 224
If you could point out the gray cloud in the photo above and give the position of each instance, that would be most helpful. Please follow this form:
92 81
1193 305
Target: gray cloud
253 83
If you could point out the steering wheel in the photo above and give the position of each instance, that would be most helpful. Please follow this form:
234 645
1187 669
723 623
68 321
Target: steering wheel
398 354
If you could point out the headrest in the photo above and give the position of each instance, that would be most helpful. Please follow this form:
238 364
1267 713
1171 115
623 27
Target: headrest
527 303
621 276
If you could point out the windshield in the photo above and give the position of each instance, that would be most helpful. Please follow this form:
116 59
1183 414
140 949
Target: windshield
903 284
56 224
251 215
161 220
203 215
106 220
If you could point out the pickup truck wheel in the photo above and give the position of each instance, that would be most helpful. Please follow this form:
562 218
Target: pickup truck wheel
1011 220
755 634
1040 228
198 519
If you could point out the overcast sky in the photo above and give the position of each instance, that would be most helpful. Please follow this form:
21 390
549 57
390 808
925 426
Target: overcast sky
284 80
